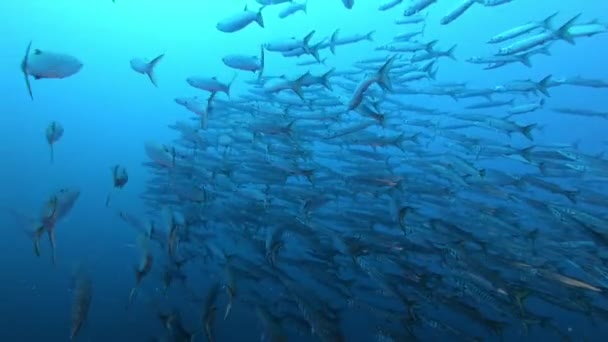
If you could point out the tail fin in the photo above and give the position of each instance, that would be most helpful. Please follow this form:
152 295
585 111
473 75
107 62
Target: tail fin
259 19
296 86
563 34
450 52
548 22
150 69
261 62
24 69
325 79
527 131
370 35
332 41
429 46
314 52
382 77
525 60
544 84
306 41
230 84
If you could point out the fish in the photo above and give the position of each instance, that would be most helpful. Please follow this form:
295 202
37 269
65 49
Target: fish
417 6
120 178
83 294
526 107
211 84
47 65
457 11
348 4
146 67
546 24
54 132
389 4
55 209
293 7
540 39
246 63
240 20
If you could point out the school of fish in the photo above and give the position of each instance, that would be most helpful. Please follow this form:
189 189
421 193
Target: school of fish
316 196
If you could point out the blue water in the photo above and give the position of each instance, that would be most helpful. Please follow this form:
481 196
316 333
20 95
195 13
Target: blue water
108 112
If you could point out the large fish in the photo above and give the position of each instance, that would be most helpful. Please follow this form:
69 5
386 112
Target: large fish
44 64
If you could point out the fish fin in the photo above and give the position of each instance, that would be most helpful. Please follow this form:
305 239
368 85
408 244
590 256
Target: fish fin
548 22
37 51
230 84
261 62
450 52
52 153
562 32
370 35
525 60
51 234
332 41
296 86
382 77
429 46
151 66
325 79
527 131
543 84
259 19
307 39
24 64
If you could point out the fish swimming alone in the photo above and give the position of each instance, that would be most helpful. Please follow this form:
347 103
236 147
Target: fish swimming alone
145 67
44 64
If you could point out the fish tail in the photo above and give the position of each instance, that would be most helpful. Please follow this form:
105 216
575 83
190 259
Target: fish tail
51 234
261 62
370 35
563 34
230 84
306 41
296 86
525 60
429 46
24 65
325 78
450 52
544 84
332 41
150 70
527 131
259 19
382 76
548 22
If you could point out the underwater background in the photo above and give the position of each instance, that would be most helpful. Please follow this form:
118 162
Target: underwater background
109 112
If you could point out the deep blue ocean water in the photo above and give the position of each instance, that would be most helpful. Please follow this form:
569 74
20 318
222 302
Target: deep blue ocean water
108 112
